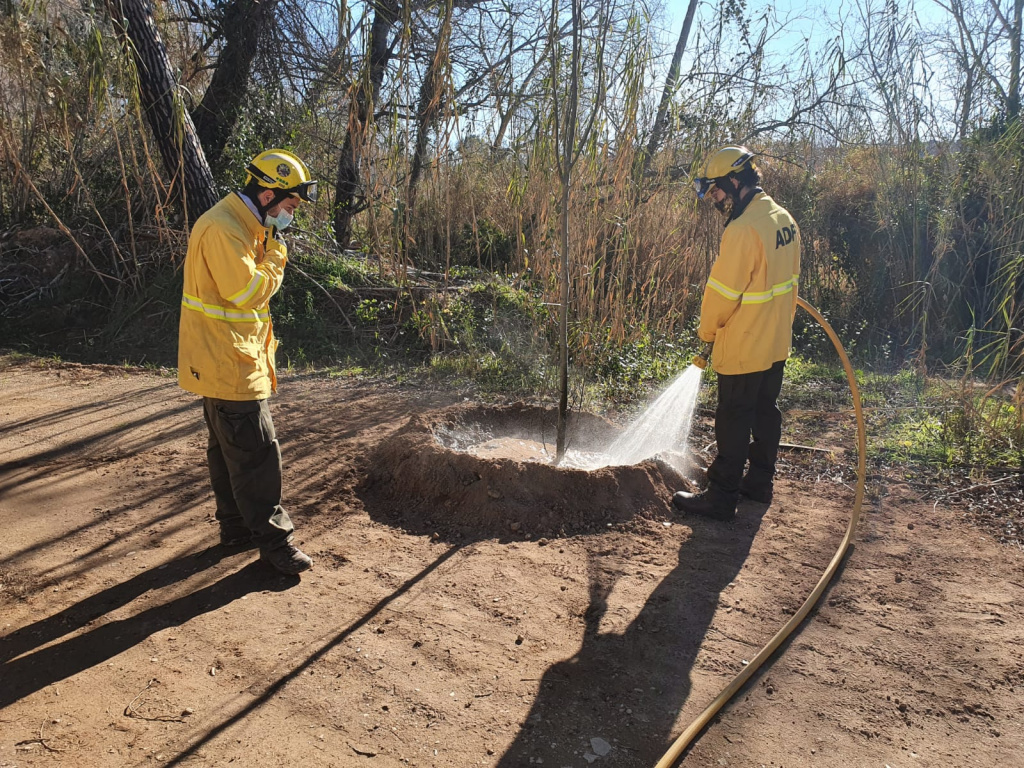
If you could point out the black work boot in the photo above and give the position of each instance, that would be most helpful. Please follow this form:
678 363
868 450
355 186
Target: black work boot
234 536
712 503
288 559
757 486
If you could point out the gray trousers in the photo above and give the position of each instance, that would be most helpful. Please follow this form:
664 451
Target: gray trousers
245 470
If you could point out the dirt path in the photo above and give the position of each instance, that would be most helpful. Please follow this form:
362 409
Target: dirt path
421 639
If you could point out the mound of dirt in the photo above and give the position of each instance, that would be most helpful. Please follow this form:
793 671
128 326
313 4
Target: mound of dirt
425 479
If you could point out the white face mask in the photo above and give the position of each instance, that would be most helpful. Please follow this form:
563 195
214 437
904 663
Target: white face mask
282 221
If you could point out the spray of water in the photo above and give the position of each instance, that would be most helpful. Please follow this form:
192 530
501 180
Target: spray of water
663 428
662 431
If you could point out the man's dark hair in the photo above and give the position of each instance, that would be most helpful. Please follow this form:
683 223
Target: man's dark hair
252 190
748 176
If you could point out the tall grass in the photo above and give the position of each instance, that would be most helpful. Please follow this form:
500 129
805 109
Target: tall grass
913 250
74 144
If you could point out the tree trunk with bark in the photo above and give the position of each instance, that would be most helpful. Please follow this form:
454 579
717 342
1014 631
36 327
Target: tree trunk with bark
671 80
565 134
1013 95
348 198
429 101
215 117
175 135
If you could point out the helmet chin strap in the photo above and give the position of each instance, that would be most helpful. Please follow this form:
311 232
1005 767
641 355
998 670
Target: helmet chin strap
279 196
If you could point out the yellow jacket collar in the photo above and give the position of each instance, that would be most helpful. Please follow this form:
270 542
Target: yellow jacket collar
245 215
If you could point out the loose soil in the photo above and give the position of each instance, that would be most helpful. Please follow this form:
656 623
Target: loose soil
467 610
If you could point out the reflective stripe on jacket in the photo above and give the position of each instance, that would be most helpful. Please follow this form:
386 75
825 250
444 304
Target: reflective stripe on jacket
750 297
226 341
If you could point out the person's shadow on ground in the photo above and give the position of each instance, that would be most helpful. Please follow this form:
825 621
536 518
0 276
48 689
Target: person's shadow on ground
26 671
626 690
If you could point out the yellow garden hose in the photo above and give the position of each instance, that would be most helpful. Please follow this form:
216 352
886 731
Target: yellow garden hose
687 736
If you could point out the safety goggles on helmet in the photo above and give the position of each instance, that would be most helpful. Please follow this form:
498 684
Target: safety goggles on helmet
703 186
306 190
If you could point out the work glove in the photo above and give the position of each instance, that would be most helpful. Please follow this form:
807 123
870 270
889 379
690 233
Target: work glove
275 245
703 356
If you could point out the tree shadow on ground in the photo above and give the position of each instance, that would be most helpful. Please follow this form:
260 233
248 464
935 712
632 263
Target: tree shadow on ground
87 611
628 689
25 673
187 488
274 687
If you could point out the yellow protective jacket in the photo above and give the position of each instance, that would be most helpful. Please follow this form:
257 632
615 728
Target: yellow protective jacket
226 341
750 299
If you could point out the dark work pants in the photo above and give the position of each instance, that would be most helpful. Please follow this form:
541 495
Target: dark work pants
747 407
245 470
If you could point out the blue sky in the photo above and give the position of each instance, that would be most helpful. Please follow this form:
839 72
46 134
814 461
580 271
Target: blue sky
794 21
806 17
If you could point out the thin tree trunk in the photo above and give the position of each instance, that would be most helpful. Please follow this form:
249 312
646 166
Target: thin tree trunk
348 200
513 106
162 106
968 101
660 120
568 152
563 327
217 113
430 98
1013 95
338 61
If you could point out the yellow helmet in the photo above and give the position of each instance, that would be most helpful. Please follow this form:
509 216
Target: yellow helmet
280 169
725 161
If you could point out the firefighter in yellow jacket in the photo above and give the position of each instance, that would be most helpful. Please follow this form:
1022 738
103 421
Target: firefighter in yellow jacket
235 264
747 313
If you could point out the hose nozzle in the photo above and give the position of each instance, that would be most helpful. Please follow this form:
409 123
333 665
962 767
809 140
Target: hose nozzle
701 359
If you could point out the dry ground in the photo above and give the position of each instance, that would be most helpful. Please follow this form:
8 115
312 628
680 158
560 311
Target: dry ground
422 638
